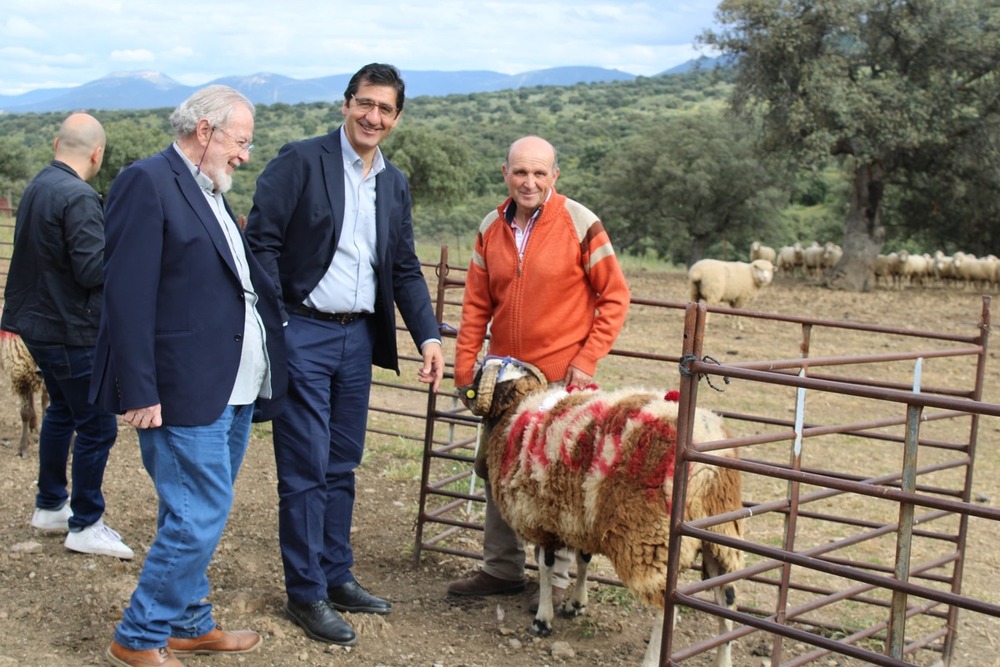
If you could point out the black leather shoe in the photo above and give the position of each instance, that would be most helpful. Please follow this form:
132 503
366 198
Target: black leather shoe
352 597
321 622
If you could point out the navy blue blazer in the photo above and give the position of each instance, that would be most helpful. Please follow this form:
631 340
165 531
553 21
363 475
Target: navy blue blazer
172 327
295 224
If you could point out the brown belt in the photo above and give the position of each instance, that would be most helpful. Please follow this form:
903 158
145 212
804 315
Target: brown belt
340 318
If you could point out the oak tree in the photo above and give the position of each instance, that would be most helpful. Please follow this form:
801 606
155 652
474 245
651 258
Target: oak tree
876 82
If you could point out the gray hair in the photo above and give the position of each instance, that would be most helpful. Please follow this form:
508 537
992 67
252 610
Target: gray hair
213 103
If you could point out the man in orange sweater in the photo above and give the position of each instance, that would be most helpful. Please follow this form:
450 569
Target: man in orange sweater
545 281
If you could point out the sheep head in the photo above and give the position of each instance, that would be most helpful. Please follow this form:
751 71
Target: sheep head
501 383
763 272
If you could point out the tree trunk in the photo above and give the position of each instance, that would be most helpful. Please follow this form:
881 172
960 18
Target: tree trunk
864 234
697 252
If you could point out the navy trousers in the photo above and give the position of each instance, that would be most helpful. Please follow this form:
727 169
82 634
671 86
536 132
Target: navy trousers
318 442
66 370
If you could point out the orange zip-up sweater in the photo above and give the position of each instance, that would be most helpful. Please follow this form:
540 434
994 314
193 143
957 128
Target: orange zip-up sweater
561 304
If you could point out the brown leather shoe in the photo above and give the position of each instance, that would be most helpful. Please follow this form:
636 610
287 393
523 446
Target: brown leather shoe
216 641
153 657
558 595
485 584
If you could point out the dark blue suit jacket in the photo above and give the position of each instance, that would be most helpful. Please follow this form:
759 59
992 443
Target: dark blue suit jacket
295 224
172 327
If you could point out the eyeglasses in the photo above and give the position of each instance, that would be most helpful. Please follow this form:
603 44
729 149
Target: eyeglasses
243 145
366 105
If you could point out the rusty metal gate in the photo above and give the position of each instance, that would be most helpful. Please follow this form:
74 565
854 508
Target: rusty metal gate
858 505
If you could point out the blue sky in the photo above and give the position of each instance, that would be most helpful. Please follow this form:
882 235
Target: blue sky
53 43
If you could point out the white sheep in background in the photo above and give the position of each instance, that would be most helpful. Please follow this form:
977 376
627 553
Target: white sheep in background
943 268
971 270
914 268
759 251
881 269
789 259
832 253
714 281
593 471
812 260
896 269
25 381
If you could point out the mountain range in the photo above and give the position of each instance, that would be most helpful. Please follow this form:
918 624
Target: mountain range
150 90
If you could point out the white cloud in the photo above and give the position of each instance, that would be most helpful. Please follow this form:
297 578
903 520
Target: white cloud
50 42
133 56
18 27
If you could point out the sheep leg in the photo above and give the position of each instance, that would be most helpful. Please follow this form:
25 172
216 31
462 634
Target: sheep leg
725 596
653 648
22 446
575 604
542 625
29 422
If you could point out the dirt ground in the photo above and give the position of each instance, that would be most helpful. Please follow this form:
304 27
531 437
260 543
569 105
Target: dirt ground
60 608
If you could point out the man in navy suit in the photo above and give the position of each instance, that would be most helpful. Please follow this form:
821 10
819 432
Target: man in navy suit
190 337
331 224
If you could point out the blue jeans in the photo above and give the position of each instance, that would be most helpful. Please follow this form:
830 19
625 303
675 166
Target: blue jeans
193 469
66 370
318 442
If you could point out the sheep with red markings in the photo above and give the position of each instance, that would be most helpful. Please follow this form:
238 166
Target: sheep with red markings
593 471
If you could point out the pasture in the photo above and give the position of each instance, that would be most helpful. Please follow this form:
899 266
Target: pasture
61 608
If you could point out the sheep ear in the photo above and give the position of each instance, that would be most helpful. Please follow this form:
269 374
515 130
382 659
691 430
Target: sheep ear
484 391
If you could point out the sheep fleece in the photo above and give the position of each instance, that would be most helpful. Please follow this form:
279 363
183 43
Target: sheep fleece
595 472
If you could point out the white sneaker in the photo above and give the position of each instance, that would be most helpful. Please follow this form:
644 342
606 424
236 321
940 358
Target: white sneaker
52 520
98 539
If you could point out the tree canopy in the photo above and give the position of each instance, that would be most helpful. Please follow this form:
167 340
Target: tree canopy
691 183
881 84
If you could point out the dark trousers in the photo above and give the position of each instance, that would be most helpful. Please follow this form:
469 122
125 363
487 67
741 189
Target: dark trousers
318 442
66 370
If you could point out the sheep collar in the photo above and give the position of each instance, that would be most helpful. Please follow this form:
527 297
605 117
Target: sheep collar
510 368
496 369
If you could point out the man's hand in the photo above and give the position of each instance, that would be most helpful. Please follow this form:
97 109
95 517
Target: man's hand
577 378
144 417
433 369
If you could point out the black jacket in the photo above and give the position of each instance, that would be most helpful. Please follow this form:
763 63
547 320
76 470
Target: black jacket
56 277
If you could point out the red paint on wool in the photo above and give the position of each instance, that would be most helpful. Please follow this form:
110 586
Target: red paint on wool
535 445
513 438
524 434
595 423
651 432
580 454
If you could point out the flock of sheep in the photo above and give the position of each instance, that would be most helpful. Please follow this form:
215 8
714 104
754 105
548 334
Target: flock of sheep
716 282
894 270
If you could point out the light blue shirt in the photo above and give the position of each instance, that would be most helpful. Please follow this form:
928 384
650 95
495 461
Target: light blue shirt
253 378
348 286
